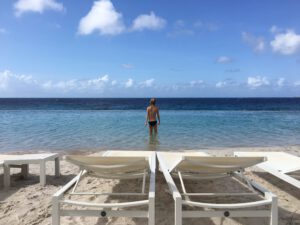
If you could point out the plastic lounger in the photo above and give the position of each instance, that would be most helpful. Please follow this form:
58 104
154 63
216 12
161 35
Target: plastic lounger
109 165
23 161
278 164
201 166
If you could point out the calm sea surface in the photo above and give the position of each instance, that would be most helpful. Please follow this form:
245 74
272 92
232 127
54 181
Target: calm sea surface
92 124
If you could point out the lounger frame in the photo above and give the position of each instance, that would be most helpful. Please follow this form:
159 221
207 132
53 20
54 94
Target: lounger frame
104 209
268 166
215 209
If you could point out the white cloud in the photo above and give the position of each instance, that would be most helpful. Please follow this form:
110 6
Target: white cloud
9 81
18 85
210 26
220 84
297 83
280 82
195 83
98 82
286 43
179 23
257 81
47 85
274 29
78 85
4 78
127 66
68 85
224 60
38 6
3 31
226 83
150 22
147 83
129 83
13 83
257 43
103 18
180 29
198 24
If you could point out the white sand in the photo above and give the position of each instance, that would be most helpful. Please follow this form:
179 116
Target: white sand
27 203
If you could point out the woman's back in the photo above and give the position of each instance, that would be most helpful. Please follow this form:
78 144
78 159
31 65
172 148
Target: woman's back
152 112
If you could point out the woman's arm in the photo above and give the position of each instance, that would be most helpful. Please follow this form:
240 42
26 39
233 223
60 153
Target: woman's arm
158 117
147 117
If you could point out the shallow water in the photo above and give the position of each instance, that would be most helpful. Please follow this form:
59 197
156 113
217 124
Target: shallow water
64 130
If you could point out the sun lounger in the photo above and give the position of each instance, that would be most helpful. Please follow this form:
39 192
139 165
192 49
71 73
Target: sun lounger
279 164
110 165
198 167
23 161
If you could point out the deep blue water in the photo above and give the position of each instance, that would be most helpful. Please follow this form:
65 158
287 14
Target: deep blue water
92 124
255 104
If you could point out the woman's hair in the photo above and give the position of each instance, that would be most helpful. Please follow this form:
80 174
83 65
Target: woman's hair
152 101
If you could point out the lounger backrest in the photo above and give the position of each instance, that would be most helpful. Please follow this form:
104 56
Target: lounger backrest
213 165
109 164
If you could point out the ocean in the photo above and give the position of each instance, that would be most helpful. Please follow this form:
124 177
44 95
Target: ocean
79 124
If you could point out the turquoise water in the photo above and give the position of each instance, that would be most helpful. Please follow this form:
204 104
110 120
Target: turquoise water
64 130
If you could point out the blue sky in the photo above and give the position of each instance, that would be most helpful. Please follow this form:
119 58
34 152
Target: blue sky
134 48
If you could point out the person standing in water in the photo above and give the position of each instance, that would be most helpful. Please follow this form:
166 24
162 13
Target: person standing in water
152 117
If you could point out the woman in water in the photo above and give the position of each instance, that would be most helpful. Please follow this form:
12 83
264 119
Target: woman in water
152 117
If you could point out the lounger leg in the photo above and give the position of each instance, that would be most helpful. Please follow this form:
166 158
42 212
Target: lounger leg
6 169
151 218
274 211
57 167
178 211
55 211
43 173
24 170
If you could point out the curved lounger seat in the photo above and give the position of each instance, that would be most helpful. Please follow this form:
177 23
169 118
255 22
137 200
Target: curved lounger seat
114 166
208 167
202 167
110 165
216 165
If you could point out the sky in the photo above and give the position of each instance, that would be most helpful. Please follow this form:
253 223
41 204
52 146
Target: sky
157 48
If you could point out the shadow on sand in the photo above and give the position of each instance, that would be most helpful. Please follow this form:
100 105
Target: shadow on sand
18 182
164 206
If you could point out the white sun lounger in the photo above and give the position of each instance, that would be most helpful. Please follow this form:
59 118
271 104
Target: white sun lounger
199 166
23 161
278 164
111 165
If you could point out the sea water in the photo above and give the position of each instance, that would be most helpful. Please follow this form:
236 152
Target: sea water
96 124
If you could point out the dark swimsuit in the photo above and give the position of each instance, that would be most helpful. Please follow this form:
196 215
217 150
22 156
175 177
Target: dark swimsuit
152 123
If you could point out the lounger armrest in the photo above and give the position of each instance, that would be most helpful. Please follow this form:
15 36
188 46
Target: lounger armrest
152 164
256 186
65 188
172 187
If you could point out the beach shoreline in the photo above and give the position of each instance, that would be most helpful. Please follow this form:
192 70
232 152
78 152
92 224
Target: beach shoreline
27 203
294 149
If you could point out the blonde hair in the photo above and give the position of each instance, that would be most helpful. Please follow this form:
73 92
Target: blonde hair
152 101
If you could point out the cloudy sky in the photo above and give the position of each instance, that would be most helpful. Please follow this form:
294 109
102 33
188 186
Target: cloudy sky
139 48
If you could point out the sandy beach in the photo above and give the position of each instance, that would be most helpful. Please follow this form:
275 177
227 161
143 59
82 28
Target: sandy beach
27 203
